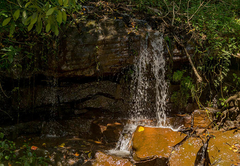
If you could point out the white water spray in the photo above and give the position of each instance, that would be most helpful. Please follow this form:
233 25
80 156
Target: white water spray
149 90
149 87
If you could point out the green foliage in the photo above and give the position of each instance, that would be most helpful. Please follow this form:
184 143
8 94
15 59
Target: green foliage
180 97
37 14
29 30
10 52
218 24
8 154
6 149
178 75
236 81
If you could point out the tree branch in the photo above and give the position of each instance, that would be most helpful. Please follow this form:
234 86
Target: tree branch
199 78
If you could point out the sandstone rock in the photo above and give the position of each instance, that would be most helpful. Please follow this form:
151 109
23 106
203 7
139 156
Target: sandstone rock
108 160
78 127
72 99
185 154
155 162
180 120
108 130
85 53
202 118
149 142
223 148
113 132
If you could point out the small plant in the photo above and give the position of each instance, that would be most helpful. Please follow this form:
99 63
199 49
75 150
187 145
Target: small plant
180 97
7 149
8 154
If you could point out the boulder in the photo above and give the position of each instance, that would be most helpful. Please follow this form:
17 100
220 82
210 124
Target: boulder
108 130
224 148
202 118
103 159
180 120
185 154
150 142
154 162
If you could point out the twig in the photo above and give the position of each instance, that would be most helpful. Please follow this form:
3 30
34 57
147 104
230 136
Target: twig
196 11
7 114
199 78
12 2
237 56
3 91
173 15
167 8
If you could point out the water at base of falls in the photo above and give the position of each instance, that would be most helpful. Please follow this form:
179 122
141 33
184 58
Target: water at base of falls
149 90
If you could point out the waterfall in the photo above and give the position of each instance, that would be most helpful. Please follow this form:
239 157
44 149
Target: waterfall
149 89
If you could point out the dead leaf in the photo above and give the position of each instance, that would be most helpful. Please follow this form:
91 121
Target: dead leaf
62 145
76 154
34 148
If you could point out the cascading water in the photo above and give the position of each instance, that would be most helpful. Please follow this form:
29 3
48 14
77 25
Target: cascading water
149 90
149 85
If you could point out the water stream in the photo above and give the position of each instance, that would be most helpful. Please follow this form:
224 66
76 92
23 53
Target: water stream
149 90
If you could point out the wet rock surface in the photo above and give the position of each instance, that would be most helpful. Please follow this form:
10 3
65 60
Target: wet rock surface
110 160
107 130
202 118
149 142
185 154
87 143
224 148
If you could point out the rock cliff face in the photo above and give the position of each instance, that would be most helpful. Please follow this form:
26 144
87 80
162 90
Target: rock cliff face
96 48
90 73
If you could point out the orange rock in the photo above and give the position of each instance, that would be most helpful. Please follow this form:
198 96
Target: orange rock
201 118
185 154
149 142
222 148
103 159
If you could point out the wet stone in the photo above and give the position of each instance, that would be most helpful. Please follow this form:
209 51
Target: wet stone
154 162
106 130
202 118
103 159
224 148
150 142
180 120
185 154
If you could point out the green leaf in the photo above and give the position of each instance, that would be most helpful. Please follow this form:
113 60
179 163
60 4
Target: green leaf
6 21
12 29
64 16
34 18
24 14
48 27
50 11
1 135
27 4
27 21
59 17
56 31
24 20
34 6
26 163
65 3
16 14
39 27
30 26
60 2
